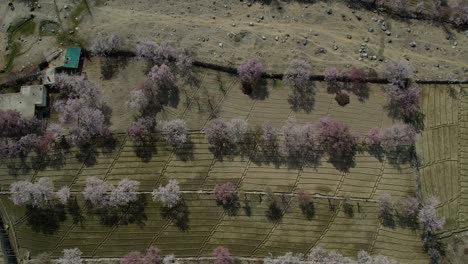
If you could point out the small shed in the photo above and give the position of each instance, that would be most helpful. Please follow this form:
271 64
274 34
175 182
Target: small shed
72 58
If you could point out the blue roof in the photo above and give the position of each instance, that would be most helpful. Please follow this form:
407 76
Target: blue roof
72 58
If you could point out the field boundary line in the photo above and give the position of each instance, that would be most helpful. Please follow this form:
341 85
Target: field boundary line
213 162
192 95
215 227
156 236
343 175
459 152
277 223
377 182
219 104
325 230
272 230
379 227
105 239
64 235
111 167
163 171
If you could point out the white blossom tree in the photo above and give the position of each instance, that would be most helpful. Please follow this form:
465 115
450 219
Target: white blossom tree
168 195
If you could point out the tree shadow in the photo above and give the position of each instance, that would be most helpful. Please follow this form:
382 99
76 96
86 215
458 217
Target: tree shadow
87 154
388 220
247 207
308 209
132 213
260 91
74 210
348 209
408 222
268 154
185 152
274 212
377 151
302 98
231 208
145 149
343 163
111 65
47 219
178 214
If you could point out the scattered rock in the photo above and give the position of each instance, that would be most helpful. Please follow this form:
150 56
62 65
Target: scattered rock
263 37
349 36
366 39
304 42
388 32
370 30
276 38
251 24
65 7
220 45
335 47
329 11
413 44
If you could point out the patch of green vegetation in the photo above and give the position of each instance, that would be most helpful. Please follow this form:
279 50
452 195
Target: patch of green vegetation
22 27
76 14
48 28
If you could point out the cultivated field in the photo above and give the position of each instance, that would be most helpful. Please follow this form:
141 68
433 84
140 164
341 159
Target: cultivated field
196 169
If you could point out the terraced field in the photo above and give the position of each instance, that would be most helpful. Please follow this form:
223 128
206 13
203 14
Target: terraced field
442 149
196 169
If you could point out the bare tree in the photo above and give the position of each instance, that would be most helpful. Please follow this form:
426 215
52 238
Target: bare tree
269 134
163 77
428 218
175 132
168 195
397 73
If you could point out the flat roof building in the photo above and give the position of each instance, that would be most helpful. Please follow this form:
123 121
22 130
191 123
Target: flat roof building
26 100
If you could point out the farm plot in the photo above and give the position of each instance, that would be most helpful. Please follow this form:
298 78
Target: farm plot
440 150
248 234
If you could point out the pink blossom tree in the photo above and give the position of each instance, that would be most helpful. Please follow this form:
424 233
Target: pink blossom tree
156 53
97 192
39 194
11 123
403 103
222 256
306 204
298 73
397 73
151 256
124 193
163 77
141 129
91 124
71 256
175 132
336 138
250 74
63 195
358 78
428 218
408 209
225 193
168 195
217 132
298 139
386 209
398 137
459 13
